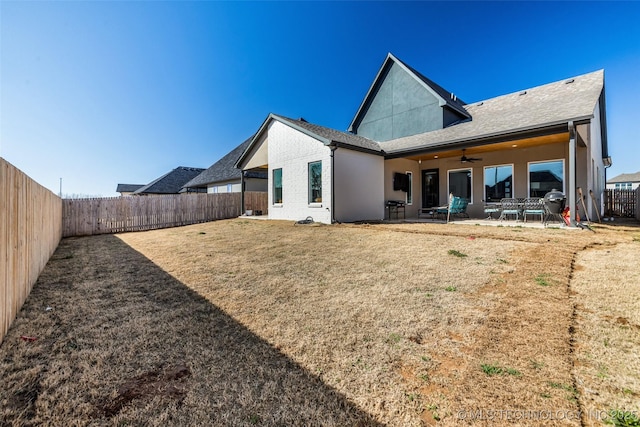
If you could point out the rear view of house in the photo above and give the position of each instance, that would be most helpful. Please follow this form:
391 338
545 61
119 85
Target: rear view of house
415 142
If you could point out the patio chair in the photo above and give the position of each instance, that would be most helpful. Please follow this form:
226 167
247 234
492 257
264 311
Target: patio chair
509 206
457 206
490 209
533 206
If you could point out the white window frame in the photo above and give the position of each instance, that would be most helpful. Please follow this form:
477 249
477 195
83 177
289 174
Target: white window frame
564 173
513 179
470 169
409 195
273 186
309 190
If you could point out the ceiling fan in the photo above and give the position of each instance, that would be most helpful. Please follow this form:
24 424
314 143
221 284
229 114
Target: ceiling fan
465 159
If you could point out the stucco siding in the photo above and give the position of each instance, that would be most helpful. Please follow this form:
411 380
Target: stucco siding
597 172
292 151
400 107
403 166
518 157
359 189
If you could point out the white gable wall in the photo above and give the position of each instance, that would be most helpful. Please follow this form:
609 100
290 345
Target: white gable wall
292 151
359 186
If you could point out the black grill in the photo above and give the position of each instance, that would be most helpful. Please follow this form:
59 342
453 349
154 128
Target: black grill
554 202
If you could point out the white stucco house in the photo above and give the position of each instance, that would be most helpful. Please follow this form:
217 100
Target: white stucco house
413 141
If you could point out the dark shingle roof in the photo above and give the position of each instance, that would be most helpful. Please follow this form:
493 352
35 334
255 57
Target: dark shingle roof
170 183
446 98
625 177
329 135
128 188
452 100
222 170
541 106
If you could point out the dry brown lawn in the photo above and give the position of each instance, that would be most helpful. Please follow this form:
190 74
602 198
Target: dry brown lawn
247 322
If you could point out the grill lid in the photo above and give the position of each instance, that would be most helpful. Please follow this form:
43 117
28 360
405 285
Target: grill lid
554 196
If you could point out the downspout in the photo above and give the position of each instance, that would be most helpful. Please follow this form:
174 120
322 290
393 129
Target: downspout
333 149
572 174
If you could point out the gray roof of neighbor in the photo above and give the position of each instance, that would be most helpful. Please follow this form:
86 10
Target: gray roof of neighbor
128 188
333 136
541 106
222 170
170 183
625 177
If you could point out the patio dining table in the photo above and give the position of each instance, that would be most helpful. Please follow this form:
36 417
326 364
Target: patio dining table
520 207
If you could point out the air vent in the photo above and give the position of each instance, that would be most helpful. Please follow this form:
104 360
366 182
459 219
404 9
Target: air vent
569 81
453 97
524 92
482 103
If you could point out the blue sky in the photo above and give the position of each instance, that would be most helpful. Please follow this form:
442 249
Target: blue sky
101 93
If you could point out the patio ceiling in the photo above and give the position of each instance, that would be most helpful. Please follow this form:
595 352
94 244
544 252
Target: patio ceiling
500 146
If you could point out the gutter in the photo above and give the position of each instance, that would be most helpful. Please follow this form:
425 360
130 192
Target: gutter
488 139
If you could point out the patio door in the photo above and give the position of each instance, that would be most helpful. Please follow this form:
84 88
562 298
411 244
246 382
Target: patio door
430 188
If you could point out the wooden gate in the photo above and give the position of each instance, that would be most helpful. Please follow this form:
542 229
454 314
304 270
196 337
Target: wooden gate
621 203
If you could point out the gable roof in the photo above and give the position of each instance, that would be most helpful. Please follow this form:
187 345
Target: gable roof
171 182
323 134
222 170
445 98
331 136
625 177
553 104
128 188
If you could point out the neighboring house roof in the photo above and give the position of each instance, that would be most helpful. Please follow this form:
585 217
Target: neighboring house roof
222 170
625 177
444 97
323 134
170 183
544 106
128 188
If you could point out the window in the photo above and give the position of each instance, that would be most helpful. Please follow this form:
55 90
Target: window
277 186
315 182
546 176
409 188
229 188
460 183
498 183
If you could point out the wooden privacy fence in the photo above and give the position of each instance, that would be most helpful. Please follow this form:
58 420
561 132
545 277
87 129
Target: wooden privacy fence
83 217
622 203
30 230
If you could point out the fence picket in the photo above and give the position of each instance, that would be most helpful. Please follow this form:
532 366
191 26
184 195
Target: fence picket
30 230
622 203
121 214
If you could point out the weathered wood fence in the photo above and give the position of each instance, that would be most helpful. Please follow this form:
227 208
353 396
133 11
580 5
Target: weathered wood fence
83 217
30 230
622 203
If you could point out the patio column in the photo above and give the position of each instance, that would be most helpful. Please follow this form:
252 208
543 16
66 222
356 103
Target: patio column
242 211
572 174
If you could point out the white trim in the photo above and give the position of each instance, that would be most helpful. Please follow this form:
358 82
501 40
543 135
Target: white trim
470 169
406 197
513 179
564 173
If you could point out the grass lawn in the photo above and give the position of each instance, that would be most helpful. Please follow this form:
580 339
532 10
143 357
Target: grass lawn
247 322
